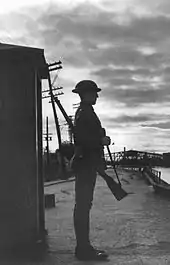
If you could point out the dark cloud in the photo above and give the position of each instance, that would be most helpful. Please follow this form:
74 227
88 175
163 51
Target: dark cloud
133 119
107 72
130 60
91 26
138 119
163 125
150 30
78 34
136 79
82 32
135 97
103 26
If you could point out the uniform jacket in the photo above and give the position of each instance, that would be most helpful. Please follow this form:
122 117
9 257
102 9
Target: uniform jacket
87 135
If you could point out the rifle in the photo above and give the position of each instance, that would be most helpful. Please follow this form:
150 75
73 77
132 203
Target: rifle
115 187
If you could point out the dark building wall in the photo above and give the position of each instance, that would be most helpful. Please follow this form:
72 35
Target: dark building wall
19 198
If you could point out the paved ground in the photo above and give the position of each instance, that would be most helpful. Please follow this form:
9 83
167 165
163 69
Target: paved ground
134 231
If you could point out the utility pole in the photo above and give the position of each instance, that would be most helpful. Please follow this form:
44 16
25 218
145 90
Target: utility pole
47 139
55 66
54 111
69 129
52 67
70 133
47 151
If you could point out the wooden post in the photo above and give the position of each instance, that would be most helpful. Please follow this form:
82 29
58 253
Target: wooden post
54 112
62 171
47 151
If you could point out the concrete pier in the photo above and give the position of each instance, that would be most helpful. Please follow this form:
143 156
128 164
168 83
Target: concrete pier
133 231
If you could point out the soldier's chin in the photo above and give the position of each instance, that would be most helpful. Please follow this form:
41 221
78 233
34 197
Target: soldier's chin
94 102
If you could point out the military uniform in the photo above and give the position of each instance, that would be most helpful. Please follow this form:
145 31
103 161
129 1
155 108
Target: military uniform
88 156
87 136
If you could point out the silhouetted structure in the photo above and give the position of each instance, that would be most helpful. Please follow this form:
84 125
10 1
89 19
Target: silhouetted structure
139 158
21 189
166 159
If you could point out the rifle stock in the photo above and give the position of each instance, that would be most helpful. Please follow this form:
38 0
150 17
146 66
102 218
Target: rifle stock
115 188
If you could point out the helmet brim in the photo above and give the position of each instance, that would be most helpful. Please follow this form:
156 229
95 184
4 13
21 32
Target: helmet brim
77 91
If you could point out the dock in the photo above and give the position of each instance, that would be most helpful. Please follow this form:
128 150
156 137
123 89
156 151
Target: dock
133 231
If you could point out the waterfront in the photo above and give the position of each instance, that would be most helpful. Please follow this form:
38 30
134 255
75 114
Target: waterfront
133 231
165 173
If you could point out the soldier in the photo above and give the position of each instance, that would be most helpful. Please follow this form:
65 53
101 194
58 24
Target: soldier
89 143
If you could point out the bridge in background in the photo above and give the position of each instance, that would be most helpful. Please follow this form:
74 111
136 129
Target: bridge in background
134 157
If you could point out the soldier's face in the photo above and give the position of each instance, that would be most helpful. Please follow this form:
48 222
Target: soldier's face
90 97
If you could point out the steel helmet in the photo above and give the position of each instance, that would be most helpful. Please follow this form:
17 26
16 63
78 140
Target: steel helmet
86 85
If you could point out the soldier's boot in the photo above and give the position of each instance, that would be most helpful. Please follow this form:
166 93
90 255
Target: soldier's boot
90 253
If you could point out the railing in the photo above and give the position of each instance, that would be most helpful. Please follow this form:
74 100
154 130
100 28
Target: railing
131 167
156 172
137 157
156 175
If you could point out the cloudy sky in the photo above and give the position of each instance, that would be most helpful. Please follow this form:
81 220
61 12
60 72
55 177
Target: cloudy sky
123 45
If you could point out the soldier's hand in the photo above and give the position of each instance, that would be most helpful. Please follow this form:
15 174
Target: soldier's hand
106 140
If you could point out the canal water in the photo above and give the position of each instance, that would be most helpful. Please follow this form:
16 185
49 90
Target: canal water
165 173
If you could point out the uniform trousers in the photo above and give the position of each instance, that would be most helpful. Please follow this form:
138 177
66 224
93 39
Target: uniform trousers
85 179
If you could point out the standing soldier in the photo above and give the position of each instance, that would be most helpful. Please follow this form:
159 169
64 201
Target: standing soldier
89 144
